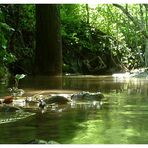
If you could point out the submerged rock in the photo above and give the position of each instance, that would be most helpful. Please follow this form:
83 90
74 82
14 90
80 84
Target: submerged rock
8 117
52 142
8 108
37 141
40 141
98 96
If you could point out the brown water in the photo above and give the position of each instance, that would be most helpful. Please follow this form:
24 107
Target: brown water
122 118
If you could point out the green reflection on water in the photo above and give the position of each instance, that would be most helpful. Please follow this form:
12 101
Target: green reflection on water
80 127
122 122
123 117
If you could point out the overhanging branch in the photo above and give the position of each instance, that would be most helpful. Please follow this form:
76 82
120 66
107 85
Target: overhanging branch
144 32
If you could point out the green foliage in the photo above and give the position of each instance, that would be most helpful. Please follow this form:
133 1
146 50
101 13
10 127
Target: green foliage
5 56
83 42
90 36
109 33
21 41
27 21
19 76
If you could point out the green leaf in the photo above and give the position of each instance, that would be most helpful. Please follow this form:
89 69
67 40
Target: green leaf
19 76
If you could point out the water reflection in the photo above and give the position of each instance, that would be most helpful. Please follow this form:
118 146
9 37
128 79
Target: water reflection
122 117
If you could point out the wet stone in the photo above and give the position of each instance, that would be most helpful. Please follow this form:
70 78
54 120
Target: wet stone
40 141
37 141
57 100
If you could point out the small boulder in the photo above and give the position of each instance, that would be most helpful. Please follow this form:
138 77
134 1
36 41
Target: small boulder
57 100
8 99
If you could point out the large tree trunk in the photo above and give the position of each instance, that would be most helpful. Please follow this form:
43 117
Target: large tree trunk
48 54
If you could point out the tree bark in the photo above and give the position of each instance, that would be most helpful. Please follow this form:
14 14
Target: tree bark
48 53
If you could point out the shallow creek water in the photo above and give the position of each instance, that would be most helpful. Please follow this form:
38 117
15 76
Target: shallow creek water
122 118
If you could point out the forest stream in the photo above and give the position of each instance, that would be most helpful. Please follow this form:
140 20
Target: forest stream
121 118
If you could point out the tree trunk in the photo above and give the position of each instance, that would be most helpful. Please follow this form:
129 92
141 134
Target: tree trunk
48 54
87 14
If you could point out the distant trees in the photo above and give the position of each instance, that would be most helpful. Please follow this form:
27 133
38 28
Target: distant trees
96 39
140 20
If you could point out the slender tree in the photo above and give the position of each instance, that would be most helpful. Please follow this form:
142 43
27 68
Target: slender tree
48 53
